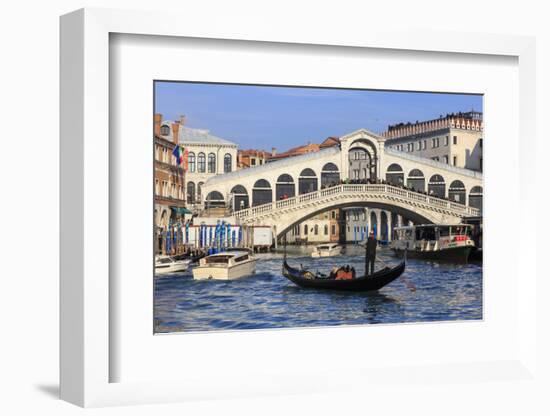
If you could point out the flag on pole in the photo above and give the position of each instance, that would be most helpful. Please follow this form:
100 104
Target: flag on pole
178 154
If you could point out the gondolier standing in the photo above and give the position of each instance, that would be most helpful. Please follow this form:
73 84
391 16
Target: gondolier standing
370 255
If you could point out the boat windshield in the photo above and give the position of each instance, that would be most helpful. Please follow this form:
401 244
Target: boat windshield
218 259
460 230
241 258
164 260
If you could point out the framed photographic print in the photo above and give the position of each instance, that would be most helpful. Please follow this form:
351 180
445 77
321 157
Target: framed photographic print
262 214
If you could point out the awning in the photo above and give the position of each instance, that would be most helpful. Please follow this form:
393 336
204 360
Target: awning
180 210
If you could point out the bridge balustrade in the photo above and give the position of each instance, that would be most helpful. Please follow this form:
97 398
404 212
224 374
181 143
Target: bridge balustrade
285 202
357 189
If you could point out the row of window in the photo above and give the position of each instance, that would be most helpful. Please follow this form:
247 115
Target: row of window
423 144
315 230
168 189
198 163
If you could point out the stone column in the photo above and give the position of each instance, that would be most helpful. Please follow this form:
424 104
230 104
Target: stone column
378 224
389 216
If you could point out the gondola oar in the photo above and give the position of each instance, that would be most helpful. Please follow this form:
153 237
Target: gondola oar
406 281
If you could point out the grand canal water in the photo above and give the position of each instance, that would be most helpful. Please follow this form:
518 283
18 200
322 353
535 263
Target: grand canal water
428 291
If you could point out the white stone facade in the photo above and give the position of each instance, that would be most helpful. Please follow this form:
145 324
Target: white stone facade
208 156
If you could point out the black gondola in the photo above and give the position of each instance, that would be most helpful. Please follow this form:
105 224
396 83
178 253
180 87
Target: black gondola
376 281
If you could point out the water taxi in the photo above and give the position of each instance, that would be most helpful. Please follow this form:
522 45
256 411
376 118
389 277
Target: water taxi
327 250
169 264
226 265
434 242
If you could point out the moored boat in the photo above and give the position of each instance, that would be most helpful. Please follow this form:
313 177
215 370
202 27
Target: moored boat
442 242
226 265
169 265
327 250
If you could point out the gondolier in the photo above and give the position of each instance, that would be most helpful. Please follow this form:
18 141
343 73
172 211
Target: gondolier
370 255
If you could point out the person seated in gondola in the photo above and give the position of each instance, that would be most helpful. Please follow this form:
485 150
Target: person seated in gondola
333 272
344 273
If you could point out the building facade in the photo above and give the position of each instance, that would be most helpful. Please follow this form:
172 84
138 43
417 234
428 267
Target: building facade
169 186
252 157
206 155
455 139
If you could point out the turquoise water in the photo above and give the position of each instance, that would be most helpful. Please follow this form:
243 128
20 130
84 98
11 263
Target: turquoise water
427 292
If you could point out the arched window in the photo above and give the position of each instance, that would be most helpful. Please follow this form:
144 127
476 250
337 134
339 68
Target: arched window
436 186
191 161
416 180
307 182
261 193
211 163
326 229
476 197
190 192
285 188
316 229
227 162
240 197
330 175
394 175
457 192
215 200
201 163
164 130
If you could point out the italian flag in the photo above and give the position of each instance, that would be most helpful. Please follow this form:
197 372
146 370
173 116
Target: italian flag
178 154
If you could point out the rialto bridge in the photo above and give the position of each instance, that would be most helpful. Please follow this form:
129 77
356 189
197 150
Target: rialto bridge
360 172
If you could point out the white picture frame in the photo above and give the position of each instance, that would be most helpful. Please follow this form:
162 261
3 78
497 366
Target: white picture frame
86 356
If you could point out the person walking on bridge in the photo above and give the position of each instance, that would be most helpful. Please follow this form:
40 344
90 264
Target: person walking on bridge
371 254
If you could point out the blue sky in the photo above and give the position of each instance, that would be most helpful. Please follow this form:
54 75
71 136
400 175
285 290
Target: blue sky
283 117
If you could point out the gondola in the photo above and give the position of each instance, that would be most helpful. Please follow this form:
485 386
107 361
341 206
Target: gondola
376 281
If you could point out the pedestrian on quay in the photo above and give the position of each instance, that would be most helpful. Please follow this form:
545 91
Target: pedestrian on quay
370 255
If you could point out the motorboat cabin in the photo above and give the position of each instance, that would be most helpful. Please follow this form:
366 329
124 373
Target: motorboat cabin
327 250
434 241
226 265
169 265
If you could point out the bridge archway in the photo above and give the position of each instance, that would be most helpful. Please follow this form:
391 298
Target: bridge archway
240 198
436 186
476 197
215 200
307 182
362 157
395 175
457 192
416 180
261 193
404 210
285 186
330 175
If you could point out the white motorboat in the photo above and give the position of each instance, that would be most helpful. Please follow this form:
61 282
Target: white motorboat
327 250
226 265
168 265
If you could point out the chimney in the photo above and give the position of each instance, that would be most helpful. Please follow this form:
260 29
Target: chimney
175 132
182 120
273 151
157 122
